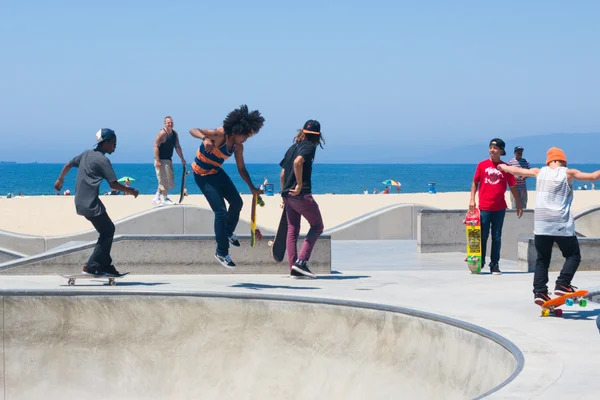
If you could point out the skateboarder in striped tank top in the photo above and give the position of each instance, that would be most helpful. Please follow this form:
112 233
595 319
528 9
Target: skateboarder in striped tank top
553 220
216 147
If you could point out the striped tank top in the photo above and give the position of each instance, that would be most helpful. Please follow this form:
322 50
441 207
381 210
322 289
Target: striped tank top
554 196
209 163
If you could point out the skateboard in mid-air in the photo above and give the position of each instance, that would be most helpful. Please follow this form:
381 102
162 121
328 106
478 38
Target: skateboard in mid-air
278 244
551 306
473 223
255 233
181 192
111 278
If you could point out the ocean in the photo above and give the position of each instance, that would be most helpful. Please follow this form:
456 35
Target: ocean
38 179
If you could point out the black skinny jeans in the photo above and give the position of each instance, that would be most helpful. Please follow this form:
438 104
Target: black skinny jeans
100 258
569 246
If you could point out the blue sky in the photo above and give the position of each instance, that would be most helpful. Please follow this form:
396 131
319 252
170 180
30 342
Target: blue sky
382 77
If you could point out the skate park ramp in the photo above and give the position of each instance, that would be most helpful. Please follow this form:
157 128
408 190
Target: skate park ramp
101 345
587 223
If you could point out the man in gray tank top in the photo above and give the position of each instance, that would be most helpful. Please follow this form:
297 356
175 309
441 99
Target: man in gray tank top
553 220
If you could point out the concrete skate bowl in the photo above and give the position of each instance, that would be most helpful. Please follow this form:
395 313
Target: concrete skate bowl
127 345
587 223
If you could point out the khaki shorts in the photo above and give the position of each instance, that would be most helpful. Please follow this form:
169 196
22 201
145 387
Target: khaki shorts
165 175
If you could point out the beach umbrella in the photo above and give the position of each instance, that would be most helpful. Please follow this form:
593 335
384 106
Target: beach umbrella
391 182
123 179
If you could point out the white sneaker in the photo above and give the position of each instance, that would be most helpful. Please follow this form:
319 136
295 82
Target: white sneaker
156 201
167 201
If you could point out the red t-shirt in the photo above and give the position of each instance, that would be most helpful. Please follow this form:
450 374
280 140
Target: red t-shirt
492 185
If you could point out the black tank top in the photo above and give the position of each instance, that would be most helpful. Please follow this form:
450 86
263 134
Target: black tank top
165 150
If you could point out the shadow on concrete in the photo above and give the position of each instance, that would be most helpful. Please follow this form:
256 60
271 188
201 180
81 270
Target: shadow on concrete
260 286
341 277
581 314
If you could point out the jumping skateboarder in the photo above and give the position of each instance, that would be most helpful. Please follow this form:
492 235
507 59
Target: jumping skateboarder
296 189
93 166
216 147
553 220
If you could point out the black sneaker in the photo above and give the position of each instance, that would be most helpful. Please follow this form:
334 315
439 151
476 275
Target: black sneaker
540 298
296 275
561 289
111 270
87 270
225 261
302 267
495 269
234 241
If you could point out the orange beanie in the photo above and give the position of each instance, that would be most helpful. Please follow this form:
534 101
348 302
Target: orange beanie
555 154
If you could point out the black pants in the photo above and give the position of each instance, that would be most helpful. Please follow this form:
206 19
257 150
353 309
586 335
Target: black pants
569 246
100 258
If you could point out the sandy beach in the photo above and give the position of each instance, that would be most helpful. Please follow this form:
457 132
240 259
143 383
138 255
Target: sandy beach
55 215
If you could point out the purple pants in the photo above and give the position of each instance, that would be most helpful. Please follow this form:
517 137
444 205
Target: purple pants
303 205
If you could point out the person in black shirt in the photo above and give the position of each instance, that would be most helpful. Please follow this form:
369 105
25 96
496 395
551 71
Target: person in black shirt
93 167
296 193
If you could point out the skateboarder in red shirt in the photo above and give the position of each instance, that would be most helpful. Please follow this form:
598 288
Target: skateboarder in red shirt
491 184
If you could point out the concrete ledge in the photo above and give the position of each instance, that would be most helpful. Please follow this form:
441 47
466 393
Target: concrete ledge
590 255
395 222
6 255
442 231
169 254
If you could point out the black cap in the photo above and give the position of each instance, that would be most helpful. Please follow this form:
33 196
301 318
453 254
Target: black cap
518 148
104 134
498 143
312 127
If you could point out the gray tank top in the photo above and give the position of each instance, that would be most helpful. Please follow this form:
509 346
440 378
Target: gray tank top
554 195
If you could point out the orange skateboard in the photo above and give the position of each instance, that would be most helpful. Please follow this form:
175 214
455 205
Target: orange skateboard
551 306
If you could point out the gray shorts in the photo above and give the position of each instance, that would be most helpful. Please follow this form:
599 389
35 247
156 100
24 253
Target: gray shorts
523 195
165 175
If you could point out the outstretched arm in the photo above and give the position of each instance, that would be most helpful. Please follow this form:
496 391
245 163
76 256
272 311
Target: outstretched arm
122 188
212 134
241 165
61 178
583 176
533 172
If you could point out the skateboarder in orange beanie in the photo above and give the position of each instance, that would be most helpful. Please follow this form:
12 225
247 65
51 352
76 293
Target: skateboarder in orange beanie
553 221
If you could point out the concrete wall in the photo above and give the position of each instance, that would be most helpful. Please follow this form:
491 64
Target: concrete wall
172 220
589 248
170 254
6 255
396 222
442 231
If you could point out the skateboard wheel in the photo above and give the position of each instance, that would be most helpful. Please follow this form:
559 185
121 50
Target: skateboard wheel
545 313
112 282
569 302
270 243
558 312
71 282
583 303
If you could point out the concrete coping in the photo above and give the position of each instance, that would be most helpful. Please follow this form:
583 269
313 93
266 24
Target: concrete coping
500 340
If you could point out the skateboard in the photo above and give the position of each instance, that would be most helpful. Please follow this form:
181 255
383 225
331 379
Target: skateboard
255 233
182 183
551 306
473 223
278 244
111 278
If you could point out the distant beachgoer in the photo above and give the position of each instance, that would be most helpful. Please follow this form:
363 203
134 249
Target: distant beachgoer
491 184
398 187
93 166
375 191
165 142
386 191
263 186
216 147
366 191
553 221
519 161
296 193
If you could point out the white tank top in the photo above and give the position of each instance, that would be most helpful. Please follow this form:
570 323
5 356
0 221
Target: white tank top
554 195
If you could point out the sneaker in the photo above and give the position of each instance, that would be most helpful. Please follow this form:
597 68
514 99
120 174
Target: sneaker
156 201
296 275
302 267
234 240
225 261
87 270
495 269
111 270
167 202
560 289
540 298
